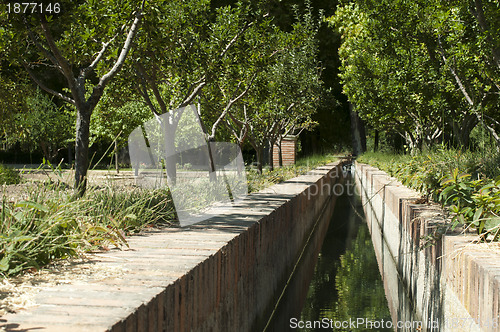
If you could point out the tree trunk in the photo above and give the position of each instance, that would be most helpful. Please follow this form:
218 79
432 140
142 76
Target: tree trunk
468 124
271 152
211 162
116 158
280 152
171 156
240 166
412 142
45 150
82 149
462 129
260 157
375 144
358 135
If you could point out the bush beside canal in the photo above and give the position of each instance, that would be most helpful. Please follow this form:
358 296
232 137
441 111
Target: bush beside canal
467 183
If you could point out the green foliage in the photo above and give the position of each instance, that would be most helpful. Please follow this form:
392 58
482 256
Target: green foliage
179 44
50 225
474 203
286 87
9 175
79 28
421 68
13 91
29 239
258 181
461 181
42 124
116 117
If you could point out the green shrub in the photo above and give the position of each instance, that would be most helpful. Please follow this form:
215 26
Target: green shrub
463 181
473 203
9 175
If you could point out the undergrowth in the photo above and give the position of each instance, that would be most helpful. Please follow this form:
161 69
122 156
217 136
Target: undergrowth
51 225
268 178
9 175
467 183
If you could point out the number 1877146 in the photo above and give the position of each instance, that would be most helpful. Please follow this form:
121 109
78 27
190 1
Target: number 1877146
33 7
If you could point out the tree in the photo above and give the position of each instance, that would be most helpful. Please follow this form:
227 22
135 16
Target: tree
380 70
217 68
115 117
469 49
239 77
41 123
86 42
331 116
184 48
286 90
298 83
421 68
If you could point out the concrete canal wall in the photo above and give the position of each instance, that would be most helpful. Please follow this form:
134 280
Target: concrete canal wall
224 274
452 285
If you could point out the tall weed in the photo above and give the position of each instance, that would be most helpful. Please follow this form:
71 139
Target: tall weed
51 225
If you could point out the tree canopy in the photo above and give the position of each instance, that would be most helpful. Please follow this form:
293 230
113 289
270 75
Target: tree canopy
81 44
427 70
252 65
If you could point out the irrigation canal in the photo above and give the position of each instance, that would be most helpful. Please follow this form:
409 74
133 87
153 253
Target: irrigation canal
339 284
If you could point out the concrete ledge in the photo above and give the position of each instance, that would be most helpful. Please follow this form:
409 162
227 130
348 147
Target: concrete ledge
220 275
452 284
474 275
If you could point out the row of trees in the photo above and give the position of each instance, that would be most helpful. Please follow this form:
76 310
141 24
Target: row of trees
113 60
428 70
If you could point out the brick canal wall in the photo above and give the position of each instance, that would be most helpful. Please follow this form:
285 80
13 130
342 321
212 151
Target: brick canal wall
221 275
452 285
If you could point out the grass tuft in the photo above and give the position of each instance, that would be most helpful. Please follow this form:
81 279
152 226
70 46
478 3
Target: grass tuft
50 225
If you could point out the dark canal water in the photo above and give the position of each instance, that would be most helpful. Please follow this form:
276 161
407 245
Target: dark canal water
345 292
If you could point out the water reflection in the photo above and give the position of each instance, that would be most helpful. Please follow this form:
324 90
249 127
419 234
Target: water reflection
346 285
